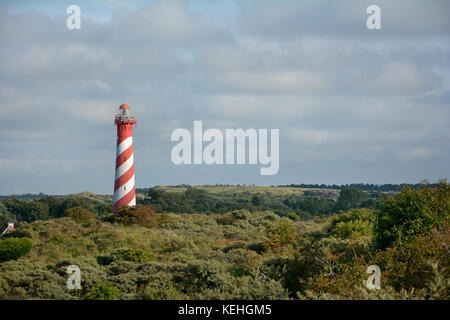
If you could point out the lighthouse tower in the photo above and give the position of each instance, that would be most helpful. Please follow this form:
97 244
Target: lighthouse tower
124 193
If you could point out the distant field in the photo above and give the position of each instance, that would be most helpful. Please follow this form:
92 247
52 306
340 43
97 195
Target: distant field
251 189
241 189
238 189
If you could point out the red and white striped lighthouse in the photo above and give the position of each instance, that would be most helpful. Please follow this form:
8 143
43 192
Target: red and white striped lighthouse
124 193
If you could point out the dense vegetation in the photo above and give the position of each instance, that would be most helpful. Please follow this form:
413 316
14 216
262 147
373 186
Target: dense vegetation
230 243
14 248
361 186
305 204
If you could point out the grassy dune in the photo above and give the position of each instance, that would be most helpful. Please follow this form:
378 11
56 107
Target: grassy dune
239 254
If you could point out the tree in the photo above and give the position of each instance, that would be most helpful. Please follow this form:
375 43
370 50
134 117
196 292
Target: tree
5 215
52 203
26 210
257 200
350 198
155 194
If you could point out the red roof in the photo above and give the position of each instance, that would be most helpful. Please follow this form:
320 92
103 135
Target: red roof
124 106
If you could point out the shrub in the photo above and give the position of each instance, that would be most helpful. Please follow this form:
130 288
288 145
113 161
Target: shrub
91 205
234 245
21 233
102 291
161 292
14 248
140 214
411 213
356 223
79 214
202 274
240 214
408 264
280 235
133 255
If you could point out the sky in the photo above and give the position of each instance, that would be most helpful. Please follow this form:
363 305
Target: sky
352 105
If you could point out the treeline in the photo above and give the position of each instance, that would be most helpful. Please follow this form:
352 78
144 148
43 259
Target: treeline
389 187
19 210
195 200
25 196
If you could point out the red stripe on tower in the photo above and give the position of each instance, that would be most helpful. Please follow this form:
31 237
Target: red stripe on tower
124 188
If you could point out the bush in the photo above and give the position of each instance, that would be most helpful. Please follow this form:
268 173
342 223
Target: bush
140 214
102 292
79 214
14 248
411 213
408 265
133 255
199 275
240 214
280 235
356 224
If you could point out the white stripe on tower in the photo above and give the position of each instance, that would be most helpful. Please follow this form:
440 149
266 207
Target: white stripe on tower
124 167
124 190
124 145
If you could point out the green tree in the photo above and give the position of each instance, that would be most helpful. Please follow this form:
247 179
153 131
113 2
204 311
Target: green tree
155 194
350 198
52 203
5 216
26 210
257 200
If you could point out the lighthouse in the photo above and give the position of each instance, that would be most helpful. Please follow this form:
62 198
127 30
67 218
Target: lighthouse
124 188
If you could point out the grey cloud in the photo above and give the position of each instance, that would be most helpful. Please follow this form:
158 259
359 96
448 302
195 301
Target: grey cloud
351 106
401 18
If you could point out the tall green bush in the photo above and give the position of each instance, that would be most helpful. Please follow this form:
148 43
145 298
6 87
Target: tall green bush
411 213
79 214
14 248
356 223
140 214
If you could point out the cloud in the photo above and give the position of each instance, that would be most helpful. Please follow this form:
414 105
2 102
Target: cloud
416 153
92 111
280 81
403 78
361 102
402 18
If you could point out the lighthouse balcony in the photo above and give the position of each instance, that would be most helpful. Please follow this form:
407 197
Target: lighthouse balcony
122 119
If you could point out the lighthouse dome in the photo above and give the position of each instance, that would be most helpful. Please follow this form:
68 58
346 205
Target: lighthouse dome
124 106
